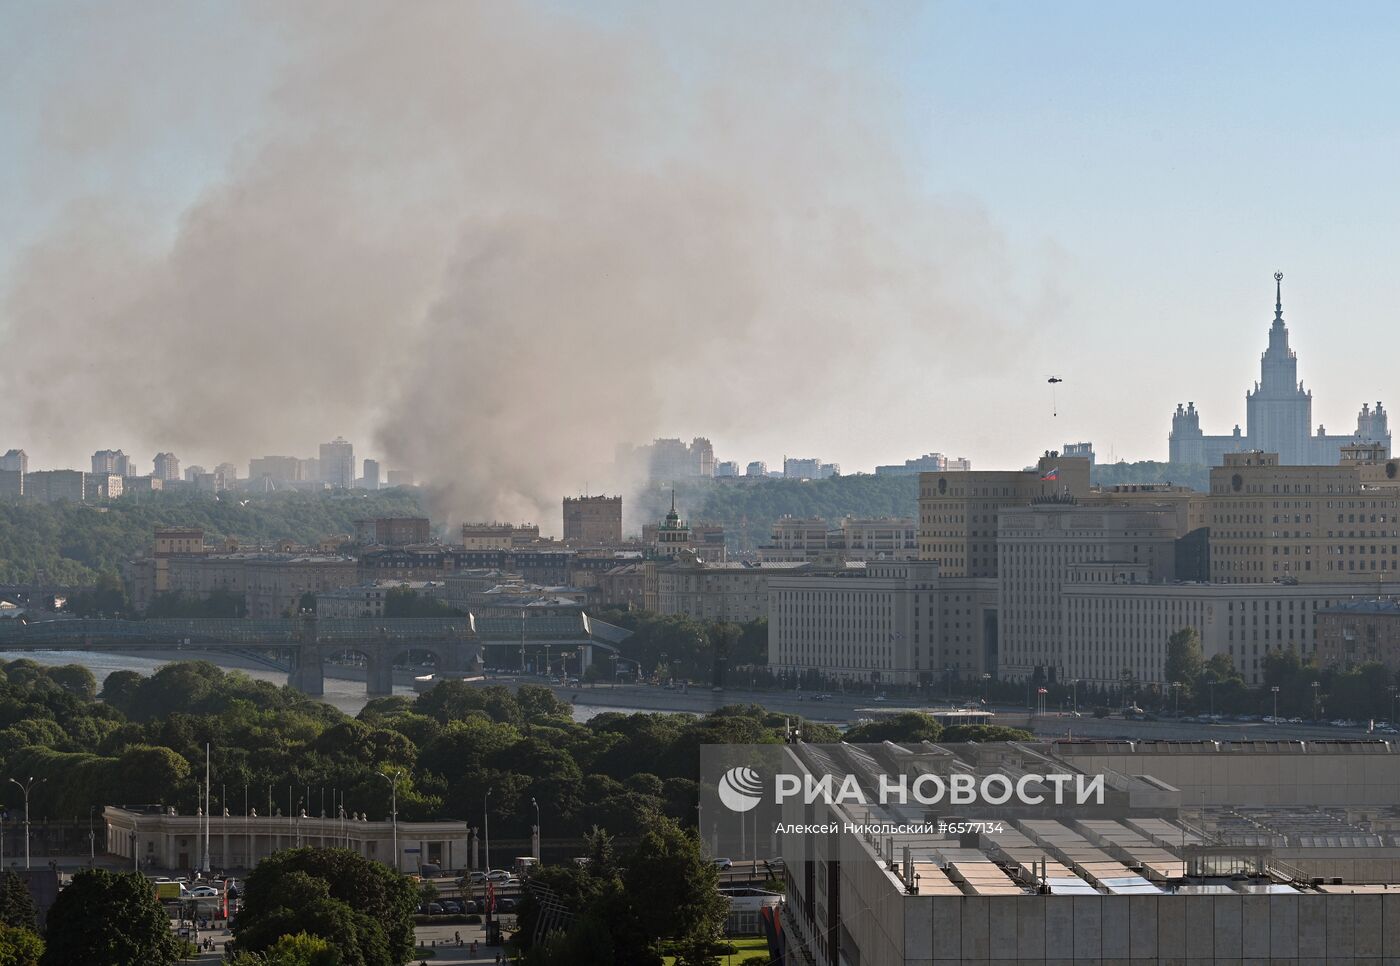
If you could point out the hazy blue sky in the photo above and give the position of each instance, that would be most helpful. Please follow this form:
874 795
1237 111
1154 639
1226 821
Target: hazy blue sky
1134 174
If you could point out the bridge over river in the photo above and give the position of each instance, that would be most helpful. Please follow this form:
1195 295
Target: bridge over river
456 645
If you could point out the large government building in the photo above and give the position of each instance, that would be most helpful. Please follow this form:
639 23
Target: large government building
1278 415
1038 574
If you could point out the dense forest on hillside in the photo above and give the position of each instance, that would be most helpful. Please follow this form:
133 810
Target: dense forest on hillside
1150 471
73 543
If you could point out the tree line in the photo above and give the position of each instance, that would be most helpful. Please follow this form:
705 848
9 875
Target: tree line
73 544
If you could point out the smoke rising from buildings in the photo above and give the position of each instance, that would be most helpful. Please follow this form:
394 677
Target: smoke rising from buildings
496 240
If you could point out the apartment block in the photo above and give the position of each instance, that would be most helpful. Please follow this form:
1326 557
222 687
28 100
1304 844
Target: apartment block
1360 631
393 531
167 466
52 486
709 591
337 463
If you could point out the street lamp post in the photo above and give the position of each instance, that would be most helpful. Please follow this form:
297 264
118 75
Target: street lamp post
25 787
1393 689
1314 687
486 826
1275 690
394 814
986 687
539 836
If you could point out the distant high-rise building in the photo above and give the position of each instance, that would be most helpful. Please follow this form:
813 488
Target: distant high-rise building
112 462
593 520
756 468
372 474
279 469
228 472
11 484
52 486
193 473
400 478
727 469
338 463
15 460
668 460
809 469
167 466
1278 415
928 463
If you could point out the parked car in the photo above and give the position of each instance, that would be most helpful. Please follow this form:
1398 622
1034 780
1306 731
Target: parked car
505 905
430 909
450 906
470 906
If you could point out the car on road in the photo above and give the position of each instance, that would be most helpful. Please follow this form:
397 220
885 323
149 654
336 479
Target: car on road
498 875
723 864
204 892
472 878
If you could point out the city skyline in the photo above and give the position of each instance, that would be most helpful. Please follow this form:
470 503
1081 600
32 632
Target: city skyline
943 270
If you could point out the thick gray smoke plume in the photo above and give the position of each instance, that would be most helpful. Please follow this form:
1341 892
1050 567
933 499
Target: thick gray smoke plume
508 238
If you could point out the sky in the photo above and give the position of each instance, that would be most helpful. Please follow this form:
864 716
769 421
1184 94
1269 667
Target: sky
491 242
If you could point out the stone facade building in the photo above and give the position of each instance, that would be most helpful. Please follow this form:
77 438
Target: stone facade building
1312 524
1361 631
593 521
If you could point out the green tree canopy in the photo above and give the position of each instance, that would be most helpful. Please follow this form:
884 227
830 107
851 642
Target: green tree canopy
1184 658
20 947
109 919
362 907
901 727
17 908
302 949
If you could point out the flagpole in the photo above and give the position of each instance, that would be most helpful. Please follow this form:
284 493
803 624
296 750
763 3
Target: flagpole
208 809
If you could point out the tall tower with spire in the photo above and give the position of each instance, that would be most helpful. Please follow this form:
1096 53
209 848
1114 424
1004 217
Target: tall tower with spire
1278 415
1278 411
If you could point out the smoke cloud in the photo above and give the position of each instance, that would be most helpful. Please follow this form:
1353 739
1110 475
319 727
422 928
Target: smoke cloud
500 239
